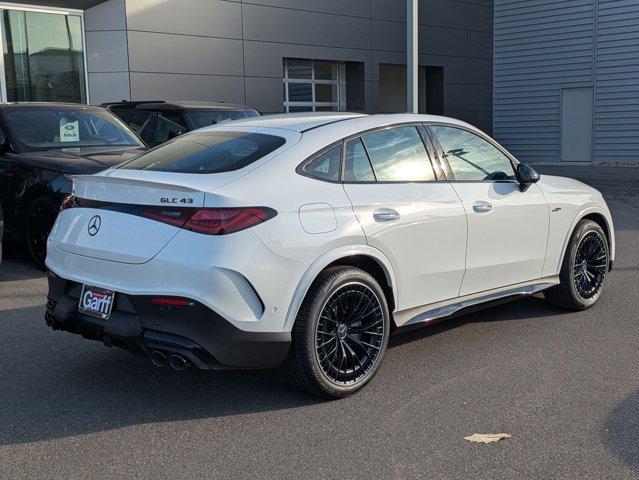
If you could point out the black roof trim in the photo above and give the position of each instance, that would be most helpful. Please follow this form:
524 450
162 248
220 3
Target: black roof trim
176 105
327 123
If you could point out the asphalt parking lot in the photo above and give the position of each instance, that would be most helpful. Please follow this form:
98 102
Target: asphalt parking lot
564 385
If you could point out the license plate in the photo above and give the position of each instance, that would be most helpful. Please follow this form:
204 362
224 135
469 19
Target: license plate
96 302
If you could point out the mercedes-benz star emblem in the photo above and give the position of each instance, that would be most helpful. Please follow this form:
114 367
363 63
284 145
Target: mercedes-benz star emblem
94 225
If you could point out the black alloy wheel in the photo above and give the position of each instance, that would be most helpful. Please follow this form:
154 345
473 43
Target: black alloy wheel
584 268
340 334
591 264
349 334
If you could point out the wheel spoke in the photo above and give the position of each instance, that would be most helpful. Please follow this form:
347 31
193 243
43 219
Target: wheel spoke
349 333
591 263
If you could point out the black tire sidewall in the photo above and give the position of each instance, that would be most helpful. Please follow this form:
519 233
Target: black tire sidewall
583 229
319 294
49 203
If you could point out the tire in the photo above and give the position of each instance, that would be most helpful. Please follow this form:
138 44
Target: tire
40 217
584 269
340 334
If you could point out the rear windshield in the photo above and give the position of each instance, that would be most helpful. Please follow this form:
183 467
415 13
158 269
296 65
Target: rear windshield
206 152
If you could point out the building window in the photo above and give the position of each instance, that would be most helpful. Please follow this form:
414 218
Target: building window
43 57
313 85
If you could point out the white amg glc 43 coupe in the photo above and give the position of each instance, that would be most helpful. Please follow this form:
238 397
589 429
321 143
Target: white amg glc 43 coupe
306 240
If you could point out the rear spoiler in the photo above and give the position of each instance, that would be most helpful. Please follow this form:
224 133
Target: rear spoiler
132 182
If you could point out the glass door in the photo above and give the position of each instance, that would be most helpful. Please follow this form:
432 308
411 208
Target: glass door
43 56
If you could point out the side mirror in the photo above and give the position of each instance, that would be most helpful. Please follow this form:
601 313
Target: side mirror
526 176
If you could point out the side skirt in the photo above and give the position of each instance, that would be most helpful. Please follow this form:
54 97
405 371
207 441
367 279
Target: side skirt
437 311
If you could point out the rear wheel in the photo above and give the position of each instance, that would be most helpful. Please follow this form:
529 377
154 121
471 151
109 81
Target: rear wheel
340 334
584 268
41 215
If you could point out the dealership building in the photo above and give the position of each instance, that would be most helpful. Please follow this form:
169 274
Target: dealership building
566 74
274 55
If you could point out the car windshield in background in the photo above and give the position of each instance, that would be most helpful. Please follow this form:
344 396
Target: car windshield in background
204 118
206 152
44 129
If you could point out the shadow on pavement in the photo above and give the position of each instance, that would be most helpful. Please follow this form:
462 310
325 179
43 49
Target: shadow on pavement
62 385
521 309
16 264
621 430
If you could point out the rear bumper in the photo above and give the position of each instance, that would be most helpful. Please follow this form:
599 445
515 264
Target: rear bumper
140 326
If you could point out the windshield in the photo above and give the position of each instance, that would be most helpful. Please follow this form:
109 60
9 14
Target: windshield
204 118
206 152
35 129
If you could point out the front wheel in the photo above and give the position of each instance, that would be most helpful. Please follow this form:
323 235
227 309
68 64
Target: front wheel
340 334
584 268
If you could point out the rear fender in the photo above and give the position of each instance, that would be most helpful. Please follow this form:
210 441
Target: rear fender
322 262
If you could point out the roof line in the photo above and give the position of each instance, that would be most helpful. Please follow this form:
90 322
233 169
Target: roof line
330 123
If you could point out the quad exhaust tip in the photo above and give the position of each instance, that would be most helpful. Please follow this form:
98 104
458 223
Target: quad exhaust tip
158 358
178 362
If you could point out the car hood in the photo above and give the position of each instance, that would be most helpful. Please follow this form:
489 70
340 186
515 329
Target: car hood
78 160
551 183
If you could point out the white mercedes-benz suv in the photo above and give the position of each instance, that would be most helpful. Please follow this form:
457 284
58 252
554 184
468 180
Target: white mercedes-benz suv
306 240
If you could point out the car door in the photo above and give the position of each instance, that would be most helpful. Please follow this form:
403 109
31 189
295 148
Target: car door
416 220
507 227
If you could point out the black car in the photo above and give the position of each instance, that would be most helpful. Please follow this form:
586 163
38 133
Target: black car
159 121
41 146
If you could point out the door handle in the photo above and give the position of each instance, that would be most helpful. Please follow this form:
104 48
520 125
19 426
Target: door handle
385 215
482 207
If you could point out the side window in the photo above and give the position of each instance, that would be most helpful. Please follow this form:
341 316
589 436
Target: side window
357 166
167 126
471 157
398 154
325 166
138 120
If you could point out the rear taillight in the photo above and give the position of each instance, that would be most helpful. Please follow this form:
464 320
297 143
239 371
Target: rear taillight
173 216
210 221
221 221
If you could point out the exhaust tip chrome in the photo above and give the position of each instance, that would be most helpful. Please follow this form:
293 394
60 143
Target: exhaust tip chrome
178 362
158 358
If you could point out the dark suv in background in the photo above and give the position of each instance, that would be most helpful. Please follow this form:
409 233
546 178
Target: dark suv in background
158 121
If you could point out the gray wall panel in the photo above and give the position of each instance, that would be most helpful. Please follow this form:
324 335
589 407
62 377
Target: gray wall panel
108 87
617 82
109 15
443 13
218 50
356 8
165 53
212 18
540 47
107 51
308 28
265 94
154 86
